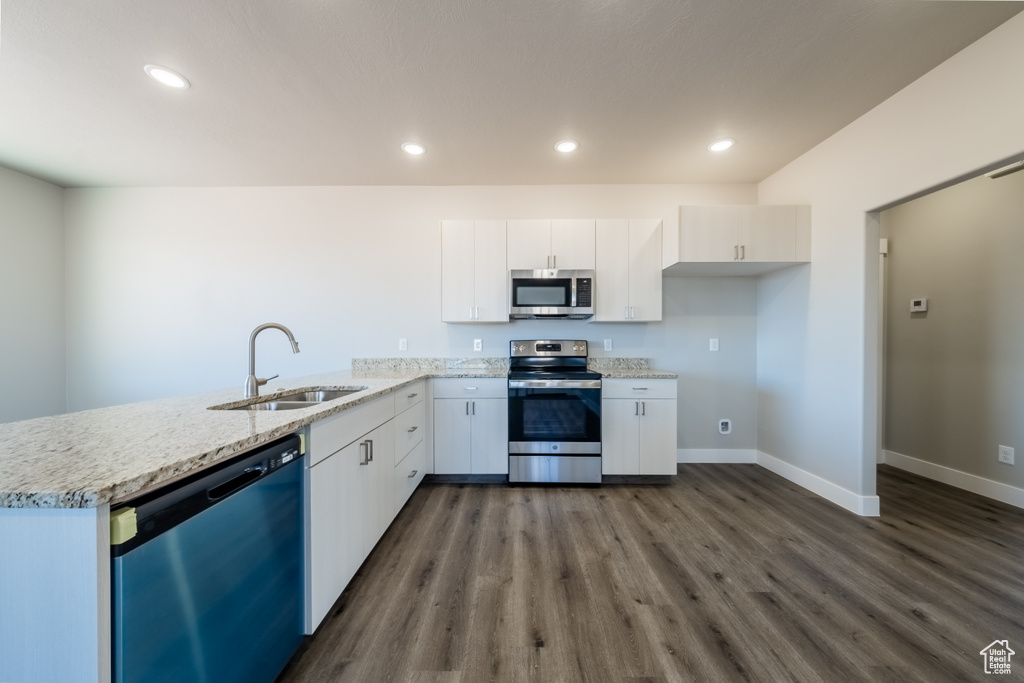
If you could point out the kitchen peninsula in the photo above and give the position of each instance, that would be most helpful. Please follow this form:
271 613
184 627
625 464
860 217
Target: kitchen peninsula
59 476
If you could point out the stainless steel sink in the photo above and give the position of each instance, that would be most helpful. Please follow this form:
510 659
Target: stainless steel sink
318 396
293 400
276 405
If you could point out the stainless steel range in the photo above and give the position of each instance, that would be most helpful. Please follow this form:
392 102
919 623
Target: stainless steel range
554 413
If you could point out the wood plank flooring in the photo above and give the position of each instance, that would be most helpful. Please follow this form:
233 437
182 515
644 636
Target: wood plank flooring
730 573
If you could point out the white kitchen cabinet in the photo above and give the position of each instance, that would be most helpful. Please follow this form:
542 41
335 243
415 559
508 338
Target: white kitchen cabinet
471 426
410 451
736 240
638 426
566 244
336 529
628 278
471 436
377 481
474 279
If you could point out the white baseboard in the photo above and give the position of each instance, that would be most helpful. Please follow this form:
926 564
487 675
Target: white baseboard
962 480
880 460
866 506
717 455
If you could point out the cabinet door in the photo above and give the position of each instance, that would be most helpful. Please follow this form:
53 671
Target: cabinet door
452 436
611 289
490 274
457 271
768 233
336 529
529 244
644 270
573 244
708 233
657 437
489 446
378 496
620 419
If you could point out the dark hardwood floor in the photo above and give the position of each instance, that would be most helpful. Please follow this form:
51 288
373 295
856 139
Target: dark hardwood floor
729 573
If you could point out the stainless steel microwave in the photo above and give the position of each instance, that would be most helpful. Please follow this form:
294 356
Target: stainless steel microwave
551 294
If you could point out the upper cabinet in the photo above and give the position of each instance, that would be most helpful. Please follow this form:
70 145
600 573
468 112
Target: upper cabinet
628 279
566 244
736 240
474 278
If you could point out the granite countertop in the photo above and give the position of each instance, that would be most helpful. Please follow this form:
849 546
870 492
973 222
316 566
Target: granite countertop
93 457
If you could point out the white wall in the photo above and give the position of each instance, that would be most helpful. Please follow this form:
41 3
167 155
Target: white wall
165 285
817 337
32 351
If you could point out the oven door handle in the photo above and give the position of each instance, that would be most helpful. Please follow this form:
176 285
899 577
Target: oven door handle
554 384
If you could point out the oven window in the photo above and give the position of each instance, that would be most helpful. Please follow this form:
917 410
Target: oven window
554 420
542 292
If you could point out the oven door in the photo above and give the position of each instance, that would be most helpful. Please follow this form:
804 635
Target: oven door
555 417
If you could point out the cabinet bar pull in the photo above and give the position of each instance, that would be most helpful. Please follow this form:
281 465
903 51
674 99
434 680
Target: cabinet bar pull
413 473
636 407
370 441
470 388
625 312
474 407
743 252
364 459
632 312
643 407
735 252
412 395
554 260
467 407
413 428
639 388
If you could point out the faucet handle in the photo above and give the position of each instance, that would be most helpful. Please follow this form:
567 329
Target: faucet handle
260 382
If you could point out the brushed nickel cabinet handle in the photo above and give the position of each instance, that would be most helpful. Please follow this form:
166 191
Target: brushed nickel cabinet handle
735 252
743 252
412 395
364 458
413 473
636 407
413 428
370 441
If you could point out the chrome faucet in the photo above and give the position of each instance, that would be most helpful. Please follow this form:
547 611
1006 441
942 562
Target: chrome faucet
252 382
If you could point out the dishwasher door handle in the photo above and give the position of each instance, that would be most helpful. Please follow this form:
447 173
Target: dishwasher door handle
232 485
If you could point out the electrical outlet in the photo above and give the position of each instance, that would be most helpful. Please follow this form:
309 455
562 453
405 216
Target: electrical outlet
478 344
1006 455
714 344
607 344
725 426
403 344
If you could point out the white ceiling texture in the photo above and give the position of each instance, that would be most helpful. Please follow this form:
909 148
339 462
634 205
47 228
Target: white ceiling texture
324 92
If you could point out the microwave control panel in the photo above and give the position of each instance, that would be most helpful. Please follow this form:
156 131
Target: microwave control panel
584 289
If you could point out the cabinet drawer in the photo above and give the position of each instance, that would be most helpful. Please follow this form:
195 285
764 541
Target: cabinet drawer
638 388
408 474
407 397
489 387
409 428
337 431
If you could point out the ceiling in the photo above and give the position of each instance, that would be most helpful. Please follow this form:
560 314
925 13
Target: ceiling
324 92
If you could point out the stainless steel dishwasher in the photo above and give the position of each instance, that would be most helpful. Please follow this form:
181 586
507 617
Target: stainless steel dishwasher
209 589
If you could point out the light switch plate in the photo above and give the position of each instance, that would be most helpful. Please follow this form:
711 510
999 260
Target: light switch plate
714 344
403 344
607 344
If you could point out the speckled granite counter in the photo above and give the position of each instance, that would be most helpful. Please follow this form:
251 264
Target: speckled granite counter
92 457
626 368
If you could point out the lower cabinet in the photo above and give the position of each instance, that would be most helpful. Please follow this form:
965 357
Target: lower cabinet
351 499
638 426
471 436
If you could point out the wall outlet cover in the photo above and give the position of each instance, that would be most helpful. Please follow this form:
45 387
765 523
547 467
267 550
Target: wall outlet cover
607 344
403 344
713 346
478 344
1006 454
725 426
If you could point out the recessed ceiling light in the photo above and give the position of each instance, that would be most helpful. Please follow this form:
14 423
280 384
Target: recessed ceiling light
414 148
721 145
166 76
566 146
